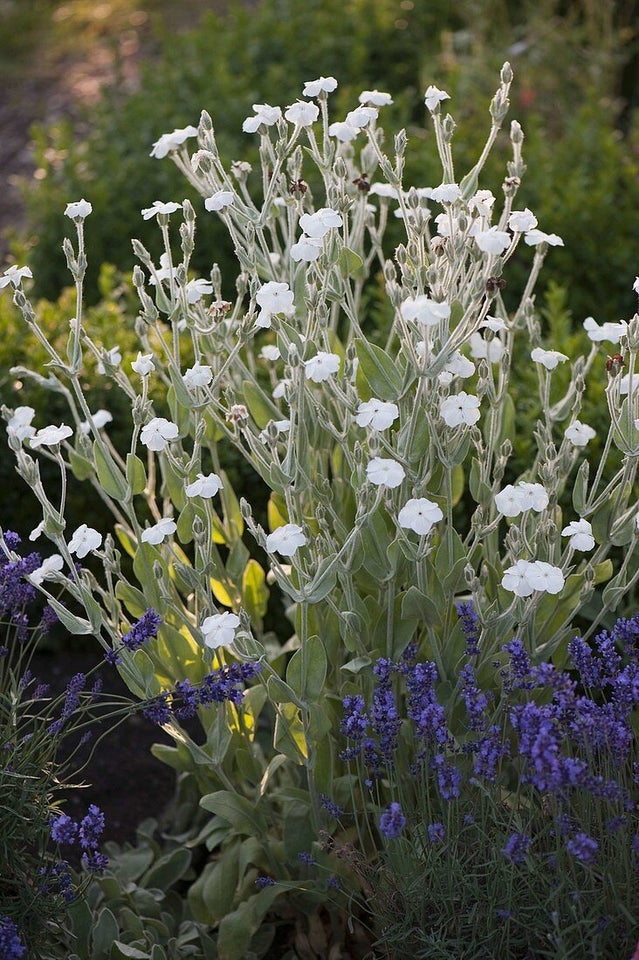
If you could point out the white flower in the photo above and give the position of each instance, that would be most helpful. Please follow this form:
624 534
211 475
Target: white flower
199 375
48 569
423 310
37 532
171 141
544 577
100 419
280 389
265 115
285 540
196 289
491 350
156 534
509 501
376 98
313 88
548 358
158 432
220 200
482 202
457 366
462 408
383 471
419 515
273 298
219 630
534 496
270 352
377 414
307 249
302 114
343 131
434 96
321 366
143 364
84 540
50 436
383 190
611 332
317 225
113 358
493 240
534 237
205 486
446 193
14 275
635 285
20 423
78 210
579 433
495 324
515 579
161 208
521 221
360 117
580 533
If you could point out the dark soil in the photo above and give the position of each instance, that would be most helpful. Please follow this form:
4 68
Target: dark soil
121 776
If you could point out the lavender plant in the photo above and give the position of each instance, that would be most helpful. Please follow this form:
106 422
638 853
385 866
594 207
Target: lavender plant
385 450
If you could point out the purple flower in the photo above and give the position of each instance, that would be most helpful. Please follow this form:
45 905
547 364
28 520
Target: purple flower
471 627
436 832
448 777
330 807
63 829
516 847
94 862
12 946
392 822
157 710
91 828
307 858
385 720
476 701
262 882
519 665
145 629
488 751
583 847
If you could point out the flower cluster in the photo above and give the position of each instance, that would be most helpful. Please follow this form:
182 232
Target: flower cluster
65 831
224 684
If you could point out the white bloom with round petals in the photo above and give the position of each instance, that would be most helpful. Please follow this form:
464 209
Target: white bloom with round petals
321 366
205 486
196 289
265 115
457 366
509 501
462 409
270 352
377 414
516 579
446 193
159 531
494 323
550 359
84 540
50 436
491 350
313 88
219 630
14 275
20 423
343 131
579 433
521 221
580 533
199 375
545 577
302 114
100 419
318 224
143 364
48 570
220 200
434 96
158 433
493 241
534 237
78 210
273 298
534 496
307 249
375 98
159 207
383 190
420 515
384 471
423 310
169 142
610 332
360 117
285 540
482 203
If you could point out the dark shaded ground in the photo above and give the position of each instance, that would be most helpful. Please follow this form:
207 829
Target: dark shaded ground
122 777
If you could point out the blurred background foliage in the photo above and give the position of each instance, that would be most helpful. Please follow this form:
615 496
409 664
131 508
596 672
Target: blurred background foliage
576 94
